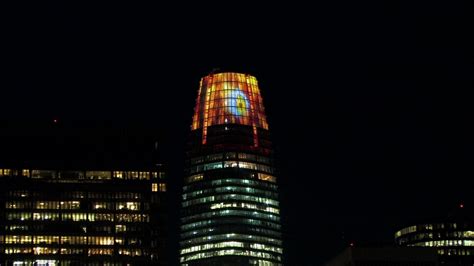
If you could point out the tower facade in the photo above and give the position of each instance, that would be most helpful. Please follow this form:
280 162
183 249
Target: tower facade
82 217
230 207
83 193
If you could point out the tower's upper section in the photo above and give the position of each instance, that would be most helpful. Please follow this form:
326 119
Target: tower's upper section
229 98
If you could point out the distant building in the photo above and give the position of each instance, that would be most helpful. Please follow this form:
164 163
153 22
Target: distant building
386 256
74 195
453 240
51 217
230 207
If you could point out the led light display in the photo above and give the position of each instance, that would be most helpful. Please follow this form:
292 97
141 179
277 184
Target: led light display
229 98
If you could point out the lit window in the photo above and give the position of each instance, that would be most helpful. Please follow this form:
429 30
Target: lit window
119 174
230 196
154 187
162 187
130 252
7 172
45 250
247 213
230 164
98 175
18 239
226 252
242 205
132 206
102 240
131 218
144 175
100 251
120 228
469 234
211 166
195 177
266 177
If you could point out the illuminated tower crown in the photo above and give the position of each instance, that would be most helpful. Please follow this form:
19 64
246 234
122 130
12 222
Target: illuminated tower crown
230 207
229 98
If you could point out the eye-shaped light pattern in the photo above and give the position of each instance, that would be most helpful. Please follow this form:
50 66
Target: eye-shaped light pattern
238 104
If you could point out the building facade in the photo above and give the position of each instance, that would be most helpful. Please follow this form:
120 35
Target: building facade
453 240
230 207
59 217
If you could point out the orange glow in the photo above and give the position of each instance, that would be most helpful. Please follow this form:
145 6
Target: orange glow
229 98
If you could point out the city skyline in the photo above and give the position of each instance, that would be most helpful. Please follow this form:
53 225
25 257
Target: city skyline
368 103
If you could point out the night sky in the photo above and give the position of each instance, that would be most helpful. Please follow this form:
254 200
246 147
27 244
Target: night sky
369 103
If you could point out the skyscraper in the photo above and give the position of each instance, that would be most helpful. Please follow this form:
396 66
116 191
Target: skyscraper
230 207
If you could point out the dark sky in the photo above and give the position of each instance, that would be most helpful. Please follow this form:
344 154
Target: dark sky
369 102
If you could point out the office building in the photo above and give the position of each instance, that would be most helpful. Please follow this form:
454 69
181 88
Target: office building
230 206
452 238
110 214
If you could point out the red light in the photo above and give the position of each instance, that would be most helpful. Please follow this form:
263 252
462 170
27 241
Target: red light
461 205
55 121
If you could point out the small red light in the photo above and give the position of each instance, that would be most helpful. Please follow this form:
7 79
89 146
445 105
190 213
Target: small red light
461 205
55 120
